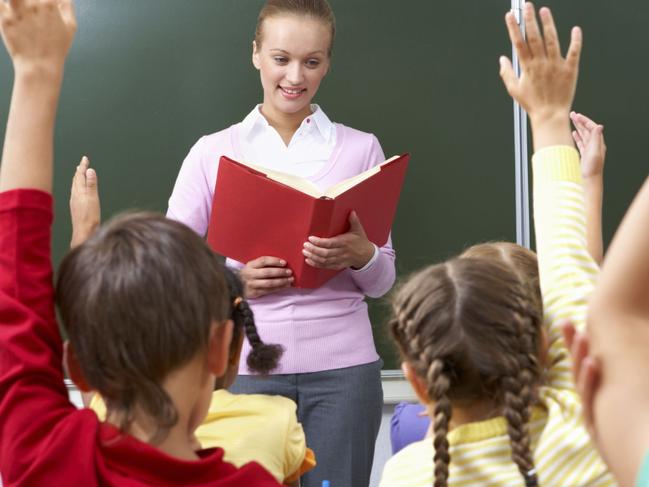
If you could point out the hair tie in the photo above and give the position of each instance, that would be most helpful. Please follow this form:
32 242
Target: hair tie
237 301
530 478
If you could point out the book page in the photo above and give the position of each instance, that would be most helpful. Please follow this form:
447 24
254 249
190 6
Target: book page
341 187
294 182
311 189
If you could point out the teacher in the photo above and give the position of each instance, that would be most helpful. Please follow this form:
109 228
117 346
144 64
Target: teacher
330 366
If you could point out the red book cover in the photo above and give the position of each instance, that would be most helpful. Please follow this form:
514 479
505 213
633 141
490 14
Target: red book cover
254 215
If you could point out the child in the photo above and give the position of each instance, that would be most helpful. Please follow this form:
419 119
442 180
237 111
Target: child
409 422
247 427
144 302
495 380
330 361
611 361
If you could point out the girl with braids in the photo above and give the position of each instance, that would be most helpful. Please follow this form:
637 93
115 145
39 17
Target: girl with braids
258 428
330 366
254 427
491 368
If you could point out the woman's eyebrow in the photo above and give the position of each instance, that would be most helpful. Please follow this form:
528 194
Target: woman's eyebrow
319 51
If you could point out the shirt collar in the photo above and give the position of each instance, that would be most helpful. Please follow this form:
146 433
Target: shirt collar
256 120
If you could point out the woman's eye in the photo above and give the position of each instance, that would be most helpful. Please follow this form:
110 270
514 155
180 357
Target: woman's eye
280 59
313 63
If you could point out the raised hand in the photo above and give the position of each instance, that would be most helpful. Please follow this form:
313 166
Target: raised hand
351 249
585 372
589 137
37 33
265 275
546 87
84 203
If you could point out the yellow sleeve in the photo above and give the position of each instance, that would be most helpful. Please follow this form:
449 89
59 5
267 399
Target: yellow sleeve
295 447
98 406
567 271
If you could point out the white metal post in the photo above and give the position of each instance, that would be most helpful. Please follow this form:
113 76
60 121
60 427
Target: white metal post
520 149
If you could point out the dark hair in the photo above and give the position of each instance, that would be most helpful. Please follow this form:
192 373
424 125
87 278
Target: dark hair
471 329
138 300
522 261
316 9
263 358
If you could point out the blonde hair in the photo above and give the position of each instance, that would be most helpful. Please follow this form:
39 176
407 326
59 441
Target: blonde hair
315 9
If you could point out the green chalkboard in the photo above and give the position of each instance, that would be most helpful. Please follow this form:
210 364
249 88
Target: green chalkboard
146 78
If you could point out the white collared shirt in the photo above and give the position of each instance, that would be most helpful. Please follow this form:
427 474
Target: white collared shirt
304 156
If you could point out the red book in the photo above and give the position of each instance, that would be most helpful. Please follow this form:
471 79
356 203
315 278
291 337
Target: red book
258 212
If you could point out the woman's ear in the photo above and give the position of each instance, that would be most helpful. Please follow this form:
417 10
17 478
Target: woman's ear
73 369
218 351
418 384
255 55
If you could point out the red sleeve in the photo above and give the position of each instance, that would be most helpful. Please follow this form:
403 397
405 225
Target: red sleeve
33 397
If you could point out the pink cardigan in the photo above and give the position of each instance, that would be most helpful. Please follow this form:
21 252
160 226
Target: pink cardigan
321 329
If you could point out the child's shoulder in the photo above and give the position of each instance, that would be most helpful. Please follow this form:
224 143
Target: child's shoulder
411 466
271 405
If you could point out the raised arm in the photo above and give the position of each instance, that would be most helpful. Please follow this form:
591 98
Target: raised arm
37 37
618 328
545 90
589 137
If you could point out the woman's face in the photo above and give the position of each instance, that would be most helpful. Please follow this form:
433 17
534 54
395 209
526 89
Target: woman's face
292 60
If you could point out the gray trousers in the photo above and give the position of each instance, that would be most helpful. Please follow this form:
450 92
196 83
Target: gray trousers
340 411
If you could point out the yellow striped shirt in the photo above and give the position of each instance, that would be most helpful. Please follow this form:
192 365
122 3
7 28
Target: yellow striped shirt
563 453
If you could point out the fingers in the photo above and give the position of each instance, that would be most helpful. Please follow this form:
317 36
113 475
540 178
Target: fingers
66 7
587 384
578 140
508 76
534 39
574 51
550 35
355 224
266 261
516 37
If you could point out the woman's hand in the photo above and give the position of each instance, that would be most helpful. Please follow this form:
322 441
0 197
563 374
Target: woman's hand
351 249
265 275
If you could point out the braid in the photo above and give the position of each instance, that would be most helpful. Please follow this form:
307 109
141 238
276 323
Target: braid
263 357
438 392
518 399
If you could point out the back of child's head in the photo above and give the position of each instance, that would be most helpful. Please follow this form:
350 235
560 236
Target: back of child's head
520 259
470 328
263 358
138 300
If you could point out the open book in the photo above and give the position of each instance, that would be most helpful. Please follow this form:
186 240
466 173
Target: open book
258 212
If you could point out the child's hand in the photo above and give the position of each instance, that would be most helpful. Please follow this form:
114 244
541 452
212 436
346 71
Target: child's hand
37 33
84 203
351 249
585 372
547 84
589 137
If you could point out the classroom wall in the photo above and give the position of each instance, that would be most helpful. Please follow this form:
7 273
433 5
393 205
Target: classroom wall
145 79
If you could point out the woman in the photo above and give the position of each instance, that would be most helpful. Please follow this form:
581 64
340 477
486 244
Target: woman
330 366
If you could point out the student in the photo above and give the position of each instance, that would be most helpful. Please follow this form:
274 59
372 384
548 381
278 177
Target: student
610 361
330 366
140 276
492 370
410 423
247 427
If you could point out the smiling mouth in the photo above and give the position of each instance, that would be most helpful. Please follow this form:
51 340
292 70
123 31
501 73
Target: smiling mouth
292 91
